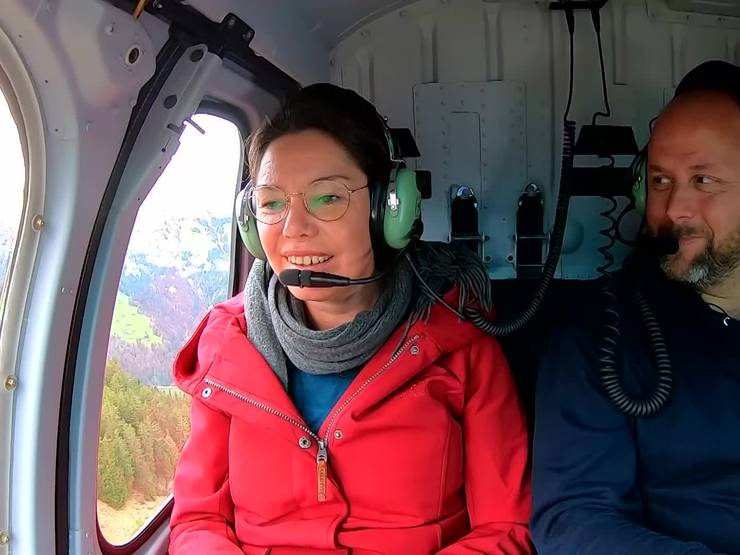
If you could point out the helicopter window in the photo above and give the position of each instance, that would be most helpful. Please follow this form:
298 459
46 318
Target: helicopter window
13 167
176 266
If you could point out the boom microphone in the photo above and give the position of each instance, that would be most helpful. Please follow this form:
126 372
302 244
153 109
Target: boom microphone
309 278
662 245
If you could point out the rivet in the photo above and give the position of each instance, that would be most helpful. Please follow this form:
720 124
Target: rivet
415 350
304 442
338 434
38 222
207 392
11 382
133 55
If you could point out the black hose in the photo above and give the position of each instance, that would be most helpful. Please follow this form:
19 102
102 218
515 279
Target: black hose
608 373
605 93
507 327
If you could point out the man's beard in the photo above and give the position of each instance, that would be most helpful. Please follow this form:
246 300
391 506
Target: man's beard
710 267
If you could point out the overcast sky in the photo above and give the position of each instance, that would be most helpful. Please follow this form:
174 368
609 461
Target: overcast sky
199 181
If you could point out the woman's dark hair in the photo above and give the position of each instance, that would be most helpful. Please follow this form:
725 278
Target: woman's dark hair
340 113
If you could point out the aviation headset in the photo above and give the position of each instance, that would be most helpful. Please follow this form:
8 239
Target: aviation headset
395 209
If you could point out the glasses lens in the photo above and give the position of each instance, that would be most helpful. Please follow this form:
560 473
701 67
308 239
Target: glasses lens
327 200
267 204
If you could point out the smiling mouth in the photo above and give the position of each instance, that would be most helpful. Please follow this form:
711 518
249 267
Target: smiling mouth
308 260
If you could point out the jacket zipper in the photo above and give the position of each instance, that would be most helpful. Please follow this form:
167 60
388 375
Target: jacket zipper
322 455
367 382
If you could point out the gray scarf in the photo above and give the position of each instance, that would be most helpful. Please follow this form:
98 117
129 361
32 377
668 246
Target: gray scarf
277 322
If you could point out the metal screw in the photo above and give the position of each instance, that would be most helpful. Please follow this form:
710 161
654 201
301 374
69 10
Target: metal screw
11 382
38 222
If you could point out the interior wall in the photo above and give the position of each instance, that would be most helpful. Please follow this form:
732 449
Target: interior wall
398 59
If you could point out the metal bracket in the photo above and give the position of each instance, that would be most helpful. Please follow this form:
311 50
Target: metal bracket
530 236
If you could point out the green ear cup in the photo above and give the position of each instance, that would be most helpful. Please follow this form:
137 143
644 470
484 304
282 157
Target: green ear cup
639 185
402 210
638 191
248 227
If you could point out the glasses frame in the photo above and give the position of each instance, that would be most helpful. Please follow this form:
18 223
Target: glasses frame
289 197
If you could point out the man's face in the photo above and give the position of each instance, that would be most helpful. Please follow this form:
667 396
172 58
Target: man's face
694 186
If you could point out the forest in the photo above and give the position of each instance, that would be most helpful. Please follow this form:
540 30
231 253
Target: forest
142 431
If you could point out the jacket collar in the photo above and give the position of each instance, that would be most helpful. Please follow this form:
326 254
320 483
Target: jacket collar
220 351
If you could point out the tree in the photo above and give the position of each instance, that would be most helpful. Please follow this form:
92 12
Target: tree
142 431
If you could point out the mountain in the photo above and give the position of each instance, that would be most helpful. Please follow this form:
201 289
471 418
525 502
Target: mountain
172 275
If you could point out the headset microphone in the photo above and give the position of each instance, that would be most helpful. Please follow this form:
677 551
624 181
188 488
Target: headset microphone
309 278
663 245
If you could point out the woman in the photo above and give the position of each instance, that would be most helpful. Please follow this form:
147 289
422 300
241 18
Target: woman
361 419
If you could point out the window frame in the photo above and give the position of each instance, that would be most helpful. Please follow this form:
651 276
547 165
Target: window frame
235 116
177 70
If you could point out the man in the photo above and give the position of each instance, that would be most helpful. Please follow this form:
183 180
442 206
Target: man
606 482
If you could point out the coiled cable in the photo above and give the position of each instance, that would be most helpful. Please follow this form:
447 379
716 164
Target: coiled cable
608 373
507 327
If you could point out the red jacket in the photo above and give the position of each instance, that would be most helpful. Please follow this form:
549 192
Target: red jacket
425 451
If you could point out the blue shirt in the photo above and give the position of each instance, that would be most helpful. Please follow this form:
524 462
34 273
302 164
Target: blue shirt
605 483
314 395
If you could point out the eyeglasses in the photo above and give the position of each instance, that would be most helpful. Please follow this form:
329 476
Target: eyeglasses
326 200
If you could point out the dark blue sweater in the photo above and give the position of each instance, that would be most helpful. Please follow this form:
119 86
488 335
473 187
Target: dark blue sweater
668 484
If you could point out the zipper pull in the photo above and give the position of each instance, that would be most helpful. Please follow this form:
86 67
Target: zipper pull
321 461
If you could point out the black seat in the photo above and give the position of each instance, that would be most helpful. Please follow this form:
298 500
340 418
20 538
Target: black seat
524 348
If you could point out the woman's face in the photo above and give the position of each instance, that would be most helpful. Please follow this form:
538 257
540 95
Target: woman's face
294 163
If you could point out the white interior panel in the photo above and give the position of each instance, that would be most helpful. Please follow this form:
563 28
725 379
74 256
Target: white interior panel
473 134
397 59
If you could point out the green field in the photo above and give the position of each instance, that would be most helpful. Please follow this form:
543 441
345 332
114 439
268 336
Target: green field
131 326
